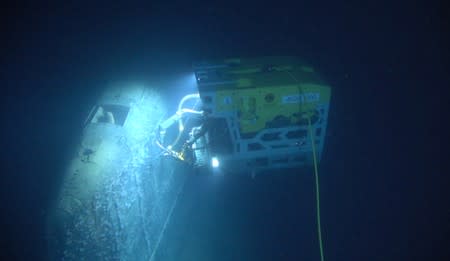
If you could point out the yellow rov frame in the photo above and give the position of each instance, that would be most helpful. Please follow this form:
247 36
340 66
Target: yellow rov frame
258 112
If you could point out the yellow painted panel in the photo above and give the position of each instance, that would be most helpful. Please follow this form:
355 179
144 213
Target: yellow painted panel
258 106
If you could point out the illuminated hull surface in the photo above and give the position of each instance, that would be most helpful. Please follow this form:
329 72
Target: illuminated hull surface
117 192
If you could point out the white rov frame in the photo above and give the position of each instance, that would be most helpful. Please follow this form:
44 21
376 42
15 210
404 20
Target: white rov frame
258 154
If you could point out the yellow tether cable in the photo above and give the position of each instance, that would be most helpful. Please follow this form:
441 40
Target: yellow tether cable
316 175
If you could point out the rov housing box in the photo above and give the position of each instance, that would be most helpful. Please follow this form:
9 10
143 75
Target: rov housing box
258 111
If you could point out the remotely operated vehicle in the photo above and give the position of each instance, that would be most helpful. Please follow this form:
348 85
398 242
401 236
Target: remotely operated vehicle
250 116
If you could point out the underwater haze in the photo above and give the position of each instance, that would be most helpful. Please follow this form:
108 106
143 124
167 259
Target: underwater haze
383 182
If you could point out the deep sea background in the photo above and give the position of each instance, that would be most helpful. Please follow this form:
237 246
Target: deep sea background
384 180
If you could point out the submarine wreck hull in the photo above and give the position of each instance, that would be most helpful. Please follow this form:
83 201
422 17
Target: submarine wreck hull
117 190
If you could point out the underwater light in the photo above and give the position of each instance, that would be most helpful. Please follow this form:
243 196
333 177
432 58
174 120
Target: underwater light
214 162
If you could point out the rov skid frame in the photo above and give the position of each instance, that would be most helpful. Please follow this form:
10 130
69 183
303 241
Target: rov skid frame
256 114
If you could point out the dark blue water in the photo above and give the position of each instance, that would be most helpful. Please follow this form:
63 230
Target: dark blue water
383 181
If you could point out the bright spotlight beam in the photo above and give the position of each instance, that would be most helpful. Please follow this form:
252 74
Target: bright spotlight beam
215 162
